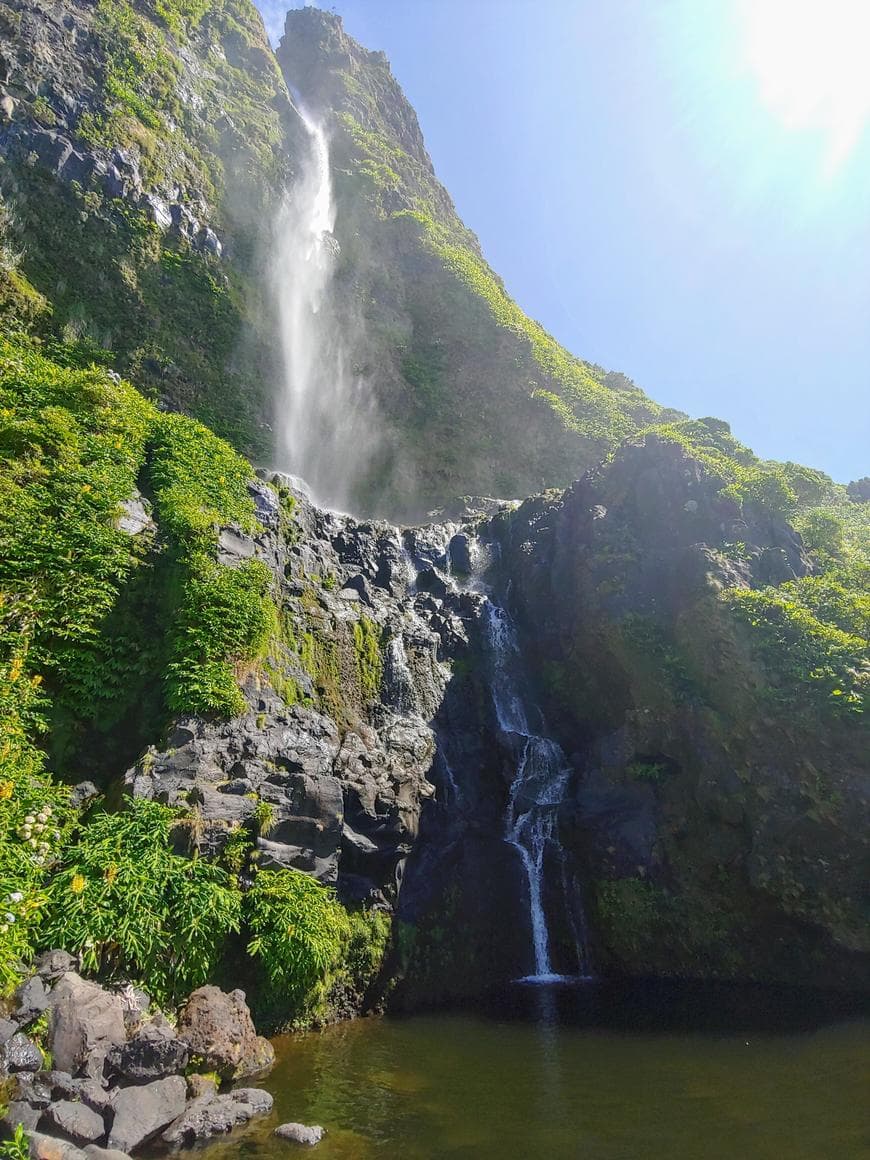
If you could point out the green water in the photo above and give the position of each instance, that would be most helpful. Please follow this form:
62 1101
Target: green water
658 1076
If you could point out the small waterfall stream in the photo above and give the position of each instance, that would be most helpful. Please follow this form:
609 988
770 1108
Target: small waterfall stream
541 780
542 774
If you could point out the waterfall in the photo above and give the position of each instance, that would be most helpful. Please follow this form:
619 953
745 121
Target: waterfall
323 427
538 787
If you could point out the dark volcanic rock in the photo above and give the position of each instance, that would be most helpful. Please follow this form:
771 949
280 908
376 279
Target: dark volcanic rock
141 1112
213 1115
217 1027
20 1054
85 1023
77 1122
31 999
151 1054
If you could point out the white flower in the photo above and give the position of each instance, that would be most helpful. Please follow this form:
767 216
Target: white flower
9 917
16 896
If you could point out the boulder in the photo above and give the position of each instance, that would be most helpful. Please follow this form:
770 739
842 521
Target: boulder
301 1133
20 1054
19 1112
8 1028
94 1152
151 1054
44 1147
218 1028
78 1122
141 1112
35 1090
53 964
86 1022
211 1115
31 999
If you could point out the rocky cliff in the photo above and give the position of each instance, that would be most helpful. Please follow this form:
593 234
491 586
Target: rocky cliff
453 363
617 727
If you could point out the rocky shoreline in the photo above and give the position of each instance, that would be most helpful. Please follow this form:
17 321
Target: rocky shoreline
89 1071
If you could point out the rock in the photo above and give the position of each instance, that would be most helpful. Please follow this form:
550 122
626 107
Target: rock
8 1028
44 1147
20 1054
151 1054
86 1022
7 107
35 1090
141 1112
211 1115
61 1084
77 1121
300 1133
158 210
31 999
459 554
53 964
19 1112
218 1028
93 1095
83 793
210 242
94 1152
201 1085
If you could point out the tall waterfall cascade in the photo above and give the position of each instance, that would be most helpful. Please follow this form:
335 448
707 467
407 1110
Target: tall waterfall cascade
323 428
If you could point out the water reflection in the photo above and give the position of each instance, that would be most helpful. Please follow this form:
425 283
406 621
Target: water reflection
646 1072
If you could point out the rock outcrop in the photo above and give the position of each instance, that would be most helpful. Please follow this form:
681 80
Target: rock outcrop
109 1092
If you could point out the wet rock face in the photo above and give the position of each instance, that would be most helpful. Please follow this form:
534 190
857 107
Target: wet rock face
694 781
334 784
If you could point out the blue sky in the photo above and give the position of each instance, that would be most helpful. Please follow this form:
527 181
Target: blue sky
640 175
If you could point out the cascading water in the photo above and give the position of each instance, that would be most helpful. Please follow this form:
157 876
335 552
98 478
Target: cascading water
538 788
323 428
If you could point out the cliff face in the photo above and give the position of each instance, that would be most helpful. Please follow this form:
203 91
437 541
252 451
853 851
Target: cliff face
632 709
721 808
459 372
142 147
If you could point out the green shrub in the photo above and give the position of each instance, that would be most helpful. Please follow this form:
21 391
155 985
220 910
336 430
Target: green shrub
18 1148
299 930
133 908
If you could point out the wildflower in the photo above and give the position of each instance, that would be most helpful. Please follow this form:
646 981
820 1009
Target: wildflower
36 680
7 788
111 873
16 896
77 884
9 917
15 670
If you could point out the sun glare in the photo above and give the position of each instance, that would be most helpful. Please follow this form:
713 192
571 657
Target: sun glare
810 60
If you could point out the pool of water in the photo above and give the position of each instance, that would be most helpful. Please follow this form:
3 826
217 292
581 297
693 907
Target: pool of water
586 1072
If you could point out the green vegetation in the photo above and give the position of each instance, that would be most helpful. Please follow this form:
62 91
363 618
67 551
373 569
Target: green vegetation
813 633
82 604
134 909
18 1148
370 663
308 944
